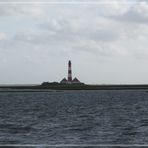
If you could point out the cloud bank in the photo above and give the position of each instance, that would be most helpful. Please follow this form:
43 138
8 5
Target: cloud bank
40 36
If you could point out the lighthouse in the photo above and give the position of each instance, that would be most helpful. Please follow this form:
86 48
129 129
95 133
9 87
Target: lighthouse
69 79
69 72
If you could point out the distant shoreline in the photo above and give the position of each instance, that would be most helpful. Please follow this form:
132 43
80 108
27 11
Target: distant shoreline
58 87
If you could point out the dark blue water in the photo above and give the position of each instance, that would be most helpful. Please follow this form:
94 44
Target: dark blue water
74 117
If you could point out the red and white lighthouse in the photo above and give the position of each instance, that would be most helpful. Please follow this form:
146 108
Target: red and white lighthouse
69 80
69 72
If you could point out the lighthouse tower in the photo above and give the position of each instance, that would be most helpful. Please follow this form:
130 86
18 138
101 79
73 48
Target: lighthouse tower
69 72
69 80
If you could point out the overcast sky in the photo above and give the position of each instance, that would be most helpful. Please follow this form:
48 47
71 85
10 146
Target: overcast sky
107 41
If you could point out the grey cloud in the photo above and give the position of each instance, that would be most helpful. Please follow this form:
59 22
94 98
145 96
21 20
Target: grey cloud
98 50
15 9
135 14
133 17
66 30
104 35
142 1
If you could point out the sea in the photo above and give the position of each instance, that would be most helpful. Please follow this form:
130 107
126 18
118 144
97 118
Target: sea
94 117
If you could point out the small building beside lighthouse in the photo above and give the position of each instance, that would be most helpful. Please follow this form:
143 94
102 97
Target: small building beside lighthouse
63 81
69 79
75 81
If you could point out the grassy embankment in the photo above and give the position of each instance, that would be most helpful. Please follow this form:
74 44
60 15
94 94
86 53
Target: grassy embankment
79 87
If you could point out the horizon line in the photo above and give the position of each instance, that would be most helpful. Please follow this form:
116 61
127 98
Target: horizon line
33 84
